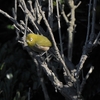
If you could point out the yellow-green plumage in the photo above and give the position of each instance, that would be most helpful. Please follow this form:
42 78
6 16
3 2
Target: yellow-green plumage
37 42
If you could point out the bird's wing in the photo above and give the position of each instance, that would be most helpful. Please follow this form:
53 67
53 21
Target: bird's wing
43 41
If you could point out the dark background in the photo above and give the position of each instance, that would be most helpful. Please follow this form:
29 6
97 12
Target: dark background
16 61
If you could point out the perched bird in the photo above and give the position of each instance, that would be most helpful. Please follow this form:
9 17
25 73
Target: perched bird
38 43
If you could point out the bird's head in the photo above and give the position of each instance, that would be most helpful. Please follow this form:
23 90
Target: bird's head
30 39
38 43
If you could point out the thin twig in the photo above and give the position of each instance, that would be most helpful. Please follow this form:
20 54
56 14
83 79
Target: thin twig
44 89
87 48
93 21
64 15
39 71
25 32
29 93
50 13
71 25
68 92
59 29
88 27
31 18
87 76
13 20
81 63
38 15
96 40
71 28
79 68
39 63
14 10
71 78
23 24
31 8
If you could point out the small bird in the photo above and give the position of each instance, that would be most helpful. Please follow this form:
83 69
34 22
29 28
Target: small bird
38 43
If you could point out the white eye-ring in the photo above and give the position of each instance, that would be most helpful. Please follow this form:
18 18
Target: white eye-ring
31 39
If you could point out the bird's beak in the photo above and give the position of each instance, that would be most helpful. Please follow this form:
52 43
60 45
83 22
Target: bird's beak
27 41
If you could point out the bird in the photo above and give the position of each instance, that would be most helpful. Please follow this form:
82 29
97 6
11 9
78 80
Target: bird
38 43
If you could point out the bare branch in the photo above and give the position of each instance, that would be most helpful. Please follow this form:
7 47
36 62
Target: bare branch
59 29
31 8
14 10
13 20
71 25
50 13
55 46
96 39
93 21
64 15
84 80
88 47
39 71
88 27
31 18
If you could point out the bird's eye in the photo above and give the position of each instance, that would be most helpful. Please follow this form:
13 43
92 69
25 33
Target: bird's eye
31 39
